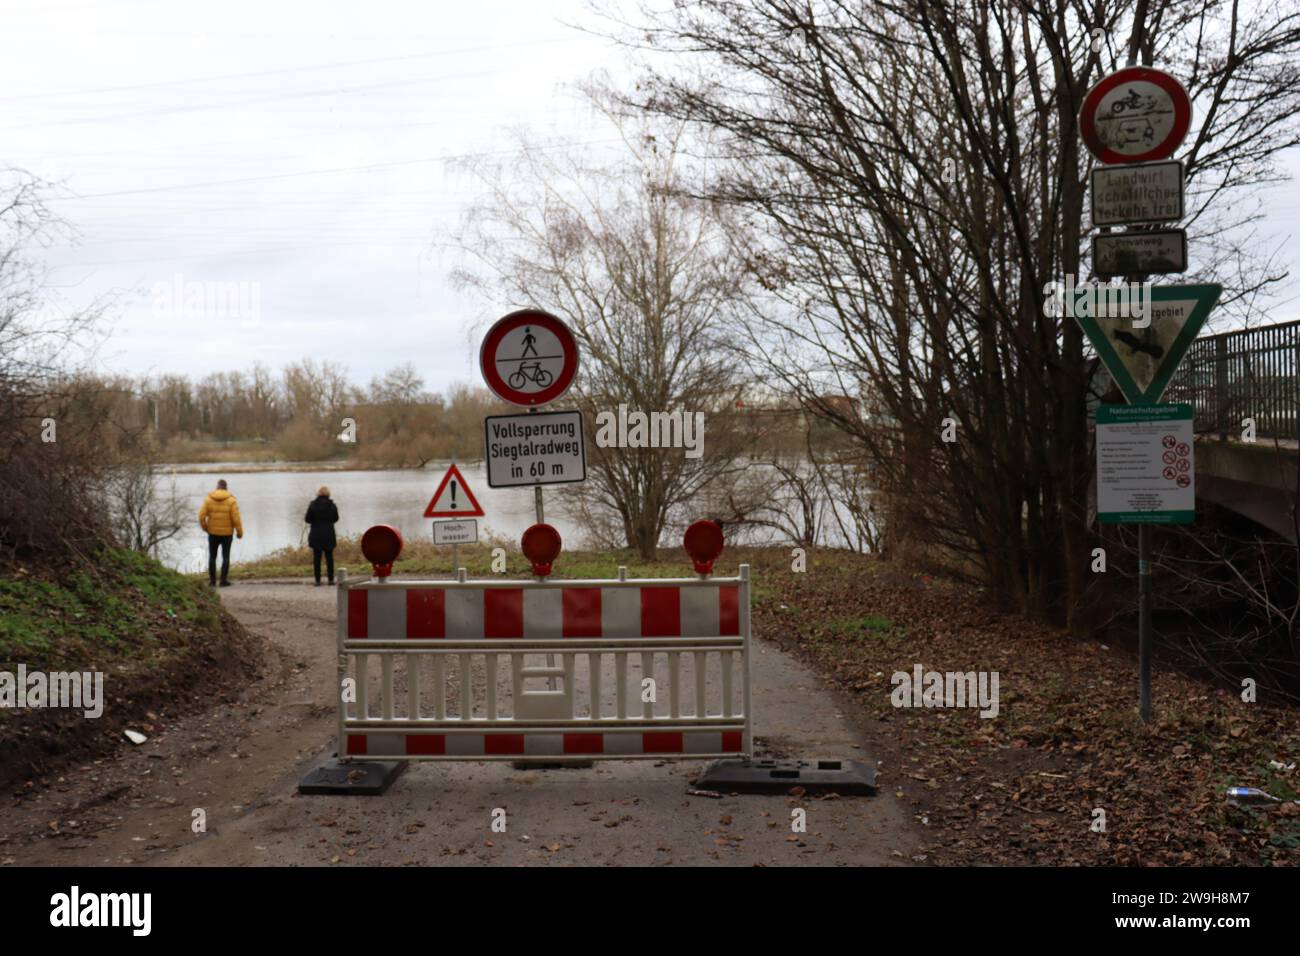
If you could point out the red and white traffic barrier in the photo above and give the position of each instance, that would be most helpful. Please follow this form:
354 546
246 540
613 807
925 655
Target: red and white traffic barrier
542 611
632 668
504 743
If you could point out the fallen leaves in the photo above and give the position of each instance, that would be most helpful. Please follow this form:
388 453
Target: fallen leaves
1021 788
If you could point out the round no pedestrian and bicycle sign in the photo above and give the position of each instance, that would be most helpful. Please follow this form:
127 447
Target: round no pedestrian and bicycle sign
1135 115
529 358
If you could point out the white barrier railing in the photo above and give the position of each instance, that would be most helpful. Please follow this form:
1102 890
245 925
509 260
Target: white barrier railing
445 670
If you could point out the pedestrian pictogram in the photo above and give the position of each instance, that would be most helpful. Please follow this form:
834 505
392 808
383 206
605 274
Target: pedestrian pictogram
453 499
529 358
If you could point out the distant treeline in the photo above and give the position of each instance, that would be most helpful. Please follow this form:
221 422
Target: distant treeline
310 411
306 411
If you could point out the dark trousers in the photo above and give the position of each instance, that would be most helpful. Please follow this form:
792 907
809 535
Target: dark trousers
329 562
221 541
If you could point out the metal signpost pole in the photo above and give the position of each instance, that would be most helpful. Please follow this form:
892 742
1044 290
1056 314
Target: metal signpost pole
455 547
537 501
537 489
1144 600
1144 530
1144 622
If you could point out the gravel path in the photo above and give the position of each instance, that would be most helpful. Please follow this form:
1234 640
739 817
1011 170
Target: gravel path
239 763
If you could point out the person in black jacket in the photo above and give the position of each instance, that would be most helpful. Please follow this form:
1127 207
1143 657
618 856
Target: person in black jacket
322 515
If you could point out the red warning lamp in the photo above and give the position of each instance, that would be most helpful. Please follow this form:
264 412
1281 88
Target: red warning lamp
381 545
703 542
541 546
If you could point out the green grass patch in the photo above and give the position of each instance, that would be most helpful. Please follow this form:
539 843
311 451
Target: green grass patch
127 610
868 628
860 626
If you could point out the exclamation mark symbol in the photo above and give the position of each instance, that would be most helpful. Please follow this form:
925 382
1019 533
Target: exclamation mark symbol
453 494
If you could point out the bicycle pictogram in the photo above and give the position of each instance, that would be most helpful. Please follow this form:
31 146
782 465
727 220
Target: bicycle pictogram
530 373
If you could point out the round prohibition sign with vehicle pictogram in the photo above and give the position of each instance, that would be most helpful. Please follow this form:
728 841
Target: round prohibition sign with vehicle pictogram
1135 115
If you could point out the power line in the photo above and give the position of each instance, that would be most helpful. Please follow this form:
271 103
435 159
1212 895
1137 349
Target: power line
226 255
247 101
292 69
322 172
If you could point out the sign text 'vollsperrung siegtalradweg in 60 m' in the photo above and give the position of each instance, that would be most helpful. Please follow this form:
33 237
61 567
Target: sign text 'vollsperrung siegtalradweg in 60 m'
544 448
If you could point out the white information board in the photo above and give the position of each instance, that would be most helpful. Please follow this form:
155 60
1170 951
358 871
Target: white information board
1145 468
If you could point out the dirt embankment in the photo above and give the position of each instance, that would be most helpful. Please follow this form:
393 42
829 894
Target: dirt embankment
162 644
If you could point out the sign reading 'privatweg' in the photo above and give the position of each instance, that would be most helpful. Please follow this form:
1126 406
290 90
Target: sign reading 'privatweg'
1158 252
538 449
1145 470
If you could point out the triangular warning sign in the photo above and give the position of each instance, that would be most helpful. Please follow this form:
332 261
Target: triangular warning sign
1141 359
453 499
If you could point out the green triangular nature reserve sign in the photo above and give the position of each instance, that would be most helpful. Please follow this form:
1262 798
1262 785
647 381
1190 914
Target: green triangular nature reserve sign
1141 332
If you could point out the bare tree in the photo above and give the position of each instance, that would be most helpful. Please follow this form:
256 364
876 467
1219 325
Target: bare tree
144 515
913 178
401 423
48 422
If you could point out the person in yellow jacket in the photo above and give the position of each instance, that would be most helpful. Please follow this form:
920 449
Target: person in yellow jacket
219 517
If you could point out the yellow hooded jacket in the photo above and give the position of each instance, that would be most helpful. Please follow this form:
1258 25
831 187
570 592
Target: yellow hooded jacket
220 514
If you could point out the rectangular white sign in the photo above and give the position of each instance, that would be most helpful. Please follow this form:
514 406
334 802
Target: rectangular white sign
1145 469
1142 192
545 448
460 531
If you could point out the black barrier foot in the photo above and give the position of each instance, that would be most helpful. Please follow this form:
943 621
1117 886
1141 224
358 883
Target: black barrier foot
736 775
369 778
553 765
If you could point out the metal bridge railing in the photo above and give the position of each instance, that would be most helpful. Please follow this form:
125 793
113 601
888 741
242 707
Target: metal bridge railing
1254 373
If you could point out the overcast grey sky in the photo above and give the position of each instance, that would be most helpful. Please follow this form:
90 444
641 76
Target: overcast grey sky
298 147
151 113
